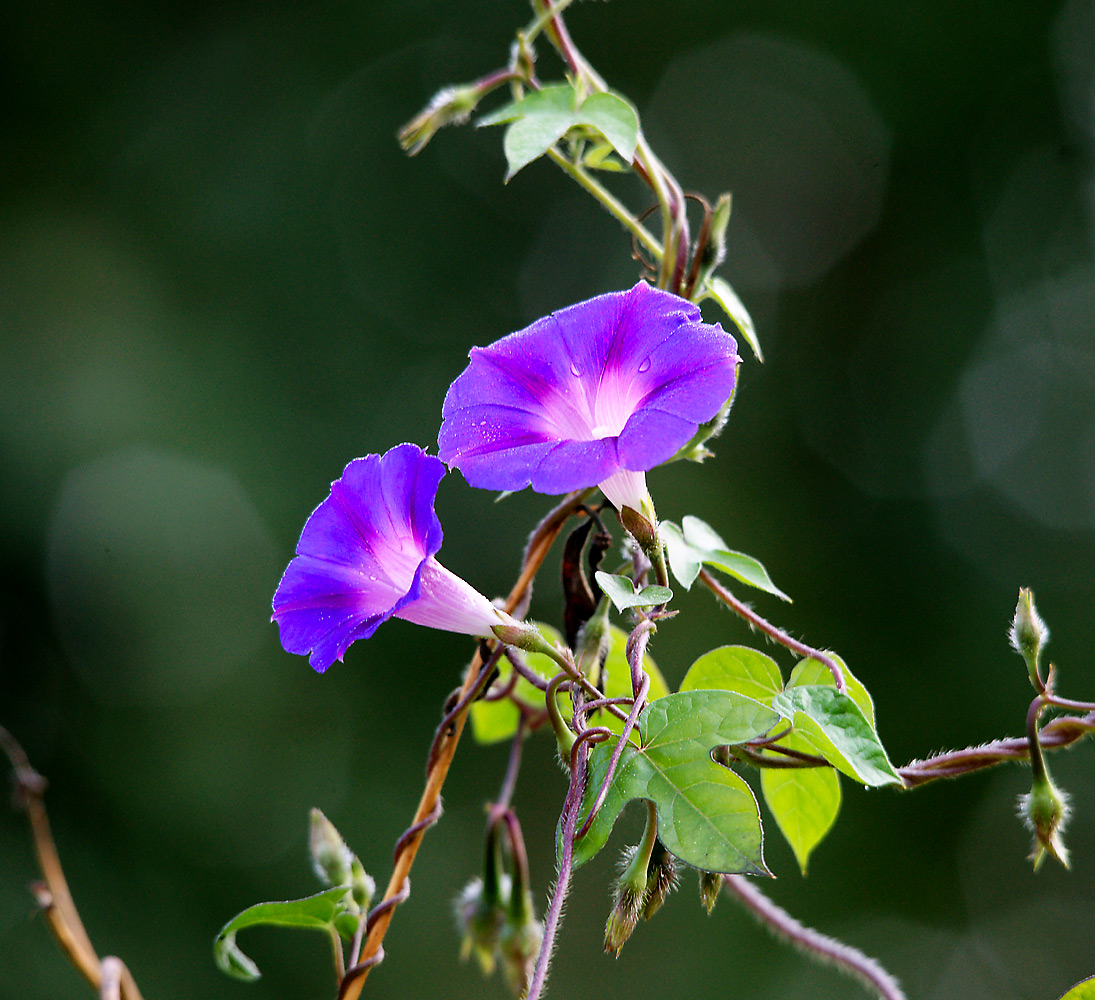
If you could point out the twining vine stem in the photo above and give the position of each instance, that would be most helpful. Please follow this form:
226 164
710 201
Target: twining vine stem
539 544
109 976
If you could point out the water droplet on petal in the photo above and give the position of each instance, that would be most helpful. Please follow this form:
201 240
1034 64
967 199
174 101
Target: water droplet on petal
575 370
645 366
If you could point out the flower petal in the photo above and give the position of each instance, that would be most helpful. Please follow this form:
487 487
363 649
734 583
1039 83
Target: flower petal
546 406
360 554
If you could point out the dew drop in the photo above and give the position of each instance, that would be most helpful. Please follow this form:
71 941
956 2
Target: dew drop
575 370
645 366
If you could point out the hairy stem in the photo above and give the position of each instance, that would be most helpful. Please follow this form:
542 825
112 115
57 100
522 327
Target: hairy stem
846 959
773 632
442 755
1054 735
602 792
562 883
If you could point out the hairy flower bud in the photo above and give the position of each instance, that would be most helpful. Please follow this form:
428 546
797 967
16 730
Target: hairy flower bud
331 858
710 887
594 642
363 885
1045 811
1029 634
714 252
661 879
449 106
628 903
479 918
519 942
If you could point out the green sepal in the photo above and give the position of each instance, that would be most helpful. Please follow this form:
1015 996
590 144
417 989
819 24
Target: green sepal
707 815
839 732
318 912
621 592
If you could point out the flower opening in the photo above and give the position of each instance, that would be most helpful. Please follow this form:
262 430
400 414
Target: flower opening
593 395
366 554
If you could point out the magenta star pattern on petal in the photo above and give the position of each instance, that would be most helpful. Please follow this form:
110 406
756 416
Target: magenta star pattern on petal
594 394
367 554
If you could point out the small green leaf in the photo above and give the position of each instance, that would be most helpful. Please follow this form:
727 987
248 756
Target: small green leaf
558 97
683 559
537 121
839 731
804 800
316 912
813 671
719 289
616 119
1083 990
542 117
735 668
707 815
709 546
599 157
621 591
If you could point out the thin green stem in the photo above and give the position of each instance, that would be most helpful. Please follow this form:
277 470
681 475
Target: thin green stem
336 950
611 204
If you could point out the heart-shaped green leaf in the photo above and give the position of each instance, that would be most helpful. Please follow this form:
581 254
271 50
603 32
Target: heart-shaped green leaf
1083 990
804 800
839 731
707 815
710 549
813 671
684 561
735 668
542 117
621 591
316 912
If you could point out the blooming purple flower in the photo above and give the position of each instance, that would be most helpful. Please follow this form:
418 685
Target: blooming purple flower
367 554
594 394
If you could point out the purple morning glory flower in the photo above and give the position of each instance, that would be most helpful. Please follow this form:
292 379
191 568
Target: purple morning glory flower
367 554
594 394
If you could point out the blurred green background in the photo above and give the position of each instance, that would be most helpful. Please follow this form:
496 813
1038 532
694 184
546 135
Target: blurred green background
220 280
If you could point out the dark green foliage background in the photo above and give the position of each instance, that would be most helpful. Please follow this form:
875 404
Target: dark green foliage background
220 280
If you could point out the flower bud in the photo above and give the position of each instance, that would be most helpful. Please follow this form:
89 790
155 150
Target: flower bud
1045 812
628 904
640 527
594 642
715 250
524 635
1029 634
449 106
661 879
519 942
364 888
331 858
710 887
479 918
